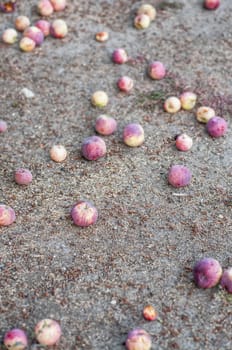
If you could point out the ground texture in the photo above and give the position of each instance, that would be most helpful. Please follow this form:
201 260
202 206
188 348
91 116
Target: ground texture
95 281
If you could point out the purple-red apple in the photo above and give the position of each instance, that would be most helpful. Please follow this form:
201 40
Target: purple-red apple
15 339
93 148
216 126
133 135
35 34
207 273
179 176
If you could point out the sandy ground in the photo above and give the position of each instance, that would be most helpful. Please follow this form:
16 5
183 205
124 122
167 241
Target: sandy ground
95 281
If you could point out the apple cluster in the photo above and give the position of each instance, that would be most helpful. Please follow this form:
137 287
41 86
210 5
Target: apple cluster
47 333
208 271
33 36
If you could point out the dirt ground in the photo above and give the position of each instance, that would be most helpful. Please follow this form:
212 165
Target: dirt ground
95 281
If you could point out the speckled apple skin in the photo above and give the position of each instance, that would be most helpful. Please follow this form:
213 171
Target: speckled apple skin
44 26
216 127
156 70
138 339
133 135
184 142
188 100
7 215
35 34
45 8
93 148
119 56
204 114
23 176
58 5
179 176
150 313
48 332
105 125
15 339
58 29
27 44
207 273
84 214
172 104
125 84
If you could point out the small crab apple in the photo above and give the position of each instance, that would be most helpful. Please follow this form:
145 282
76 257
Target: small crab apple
172 104
102 36
125 84
216 126
58 153
179 176
133 135
211 4
21 23
23 176
35 34
188 100
27 44
183 142
105 125
3 126
93 148
45 8
204 114
44 26
15 339
58 29
138 339
148 10
48 332
58 5
207 273
99 99
226 280
7 215
119 56
9 36
150 313
84 213
142 21
156 70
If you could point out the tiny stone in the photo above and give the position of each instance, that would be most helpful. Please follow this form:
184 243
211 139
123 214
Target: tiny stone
27 93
